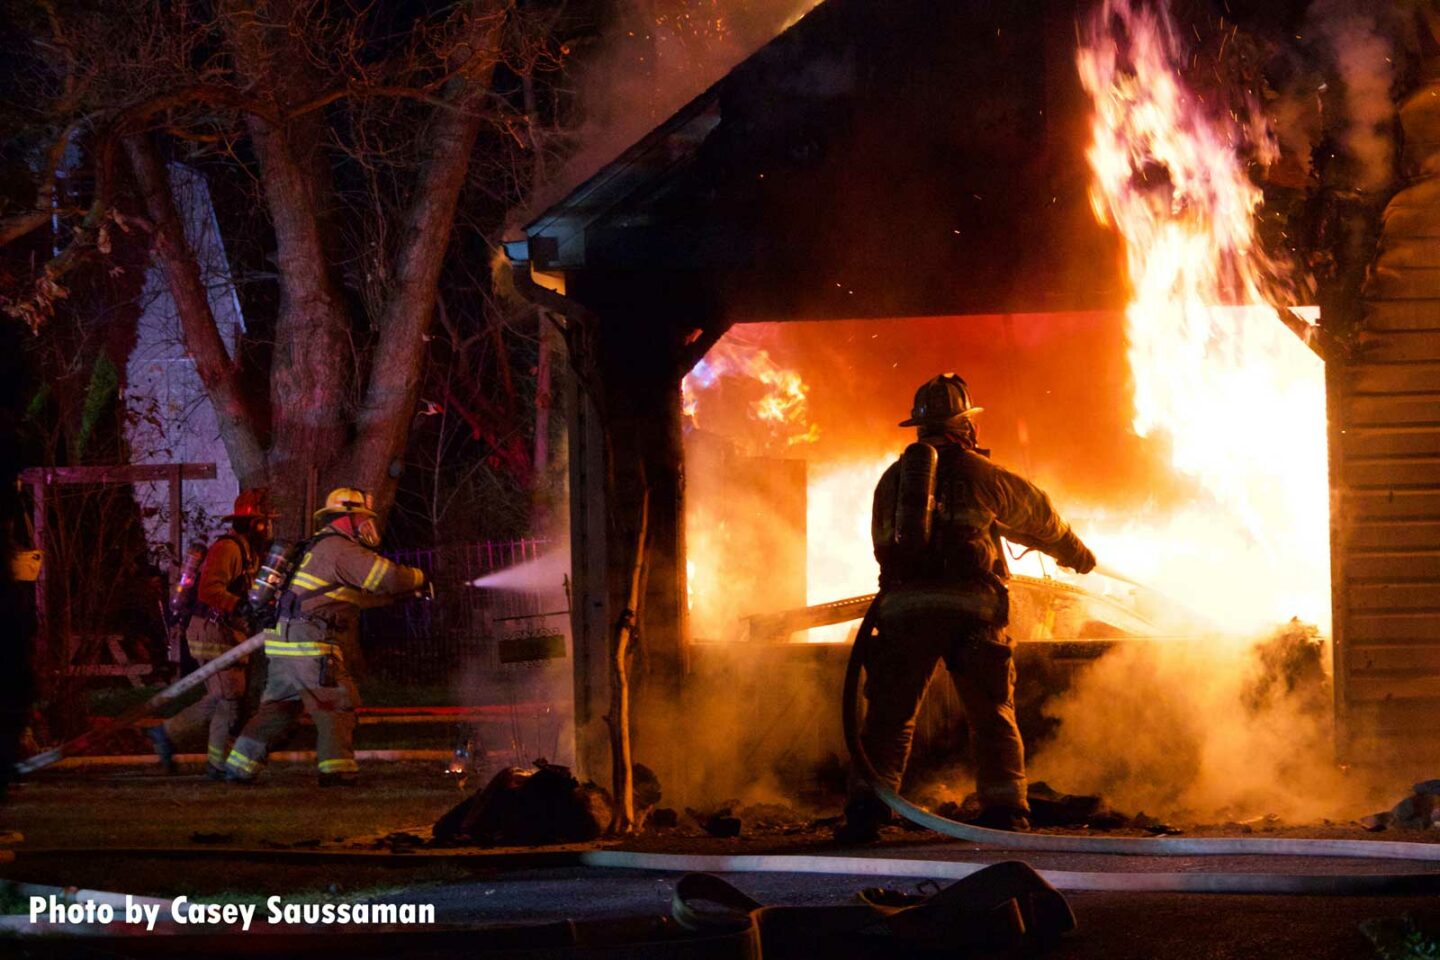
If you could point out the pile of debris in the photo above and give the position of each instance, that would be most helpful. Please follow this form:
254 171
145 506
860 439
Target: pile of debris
1419 811
528 808
1050 808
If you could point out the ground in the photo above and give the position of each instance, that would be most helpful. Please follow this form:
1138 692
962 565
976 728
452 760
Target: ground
131 830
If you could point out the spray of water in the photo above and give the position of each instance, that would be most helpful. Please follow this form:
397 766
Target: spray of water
545 575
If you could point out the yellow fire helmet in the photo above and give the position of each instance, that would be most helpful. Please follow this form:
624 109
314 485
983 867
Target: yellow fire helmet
345 500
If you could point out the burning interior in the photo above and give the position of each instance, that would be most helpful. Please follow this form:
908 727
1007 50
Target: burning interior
789 426
755 289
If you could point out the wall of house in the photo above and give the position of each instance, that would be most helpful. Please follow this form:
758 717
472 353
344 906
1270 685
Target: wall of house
170 419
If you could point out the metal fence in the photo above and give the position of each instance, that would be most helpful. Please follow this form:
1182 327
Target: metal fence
425 642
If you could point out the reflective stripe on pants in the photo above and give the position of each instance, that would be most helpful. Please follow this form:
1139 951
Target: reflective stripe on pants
293 685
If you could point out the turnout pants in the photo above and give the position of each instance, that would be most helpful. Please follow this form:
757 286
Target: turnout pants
913 637
217 712
293 685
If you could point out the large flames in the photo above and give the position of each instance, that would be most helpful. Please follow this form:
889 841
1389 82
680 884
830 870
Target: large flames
1238 398
1234 399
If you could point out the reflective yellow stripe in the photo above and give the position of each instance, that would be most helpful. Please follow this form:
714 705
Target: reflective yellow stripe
217 755
241 762
307 582
339 766
377 572
299 648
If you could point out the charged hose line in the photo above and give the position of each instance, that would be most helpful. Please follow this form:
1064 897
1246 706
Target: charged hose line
918 868
101 733
1049 843
1351 884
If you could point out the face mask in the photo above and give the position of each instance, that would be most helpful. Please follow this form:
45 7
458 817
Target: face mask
368 533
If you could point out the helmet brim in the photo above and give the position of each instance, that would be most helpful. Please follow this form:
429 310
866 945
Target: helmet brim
232 517
922 421
349 512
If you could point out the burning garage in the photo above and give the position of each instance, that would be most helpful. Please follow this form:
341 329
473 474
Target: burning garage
1089 351
753 291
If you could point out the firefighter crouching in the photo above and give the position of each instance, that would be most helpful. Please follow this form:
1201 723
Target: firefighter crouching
338 575
218 622
938 517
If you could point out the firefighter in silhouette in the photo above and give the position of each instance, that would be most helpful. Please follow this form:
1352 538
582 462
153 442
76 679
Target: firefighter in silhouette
939 514
339 574
218 619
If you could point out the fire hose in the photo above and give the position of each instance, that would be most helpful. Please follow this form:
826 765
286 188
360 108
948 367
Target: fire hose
1048 843
127 719
1186 881
1103 880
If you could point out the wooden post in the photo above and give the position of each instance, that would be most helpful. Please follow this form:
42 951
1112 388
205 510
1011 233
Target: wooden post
177 547
40 488
41 479
312 495
622 765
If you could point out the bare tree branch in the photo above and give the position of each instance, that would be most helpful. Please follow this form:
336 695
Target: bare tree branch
384 418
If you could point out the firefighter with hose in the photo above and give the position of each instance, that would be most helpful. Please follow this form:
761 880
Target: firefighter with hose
339 573
939 513
217 613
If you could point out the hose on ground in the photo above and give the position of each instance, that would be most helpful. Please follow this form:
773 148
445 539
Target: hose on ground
103 732
1050 843
1186 881
842 865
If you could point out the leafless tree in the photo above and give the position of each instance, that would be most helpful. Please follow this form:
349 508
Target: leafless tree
383 151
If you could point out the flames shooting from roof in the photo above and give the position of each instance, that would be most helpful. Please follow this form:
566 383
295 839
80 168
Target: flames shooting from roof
1238 398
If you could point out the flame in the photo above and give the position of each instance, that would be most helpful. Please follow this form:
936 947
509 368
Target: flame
783 409
1238 398
839 562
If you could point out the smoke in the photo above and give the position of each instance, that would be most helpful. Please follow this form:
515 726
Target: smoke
658 55
759 721
1364 43
1208 730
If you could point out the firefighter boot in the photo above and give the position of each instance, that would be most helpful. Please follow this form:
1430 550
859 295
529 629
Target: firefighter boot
339 780
865 814
164 748
1003 817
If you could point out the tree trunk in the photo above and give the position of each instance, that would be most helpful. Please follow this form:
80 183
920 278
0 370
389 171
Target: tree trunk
313 356
383 424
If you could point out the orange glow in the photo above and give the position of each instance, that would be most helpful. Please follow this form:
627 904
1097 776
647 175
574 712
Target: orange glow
781 408
1239 400
1218 500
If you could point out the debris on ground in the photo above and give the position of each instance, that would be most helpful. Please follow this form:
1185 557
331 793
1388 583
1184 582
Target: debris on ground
1142 821
528 808
202 837
663 818
1419 811
310 843
1051 808
400 841
720 822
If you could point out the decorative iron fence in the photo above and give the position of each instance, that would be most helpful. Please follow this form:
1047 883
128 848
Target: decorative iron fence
421 642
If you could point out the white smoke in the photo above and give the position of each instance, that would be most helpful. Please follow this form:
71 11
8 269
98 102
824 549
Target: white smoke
1365 43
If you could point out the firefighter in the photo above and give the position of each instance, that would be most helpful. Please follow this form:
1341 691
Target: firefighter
218 622
338 575
939 513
